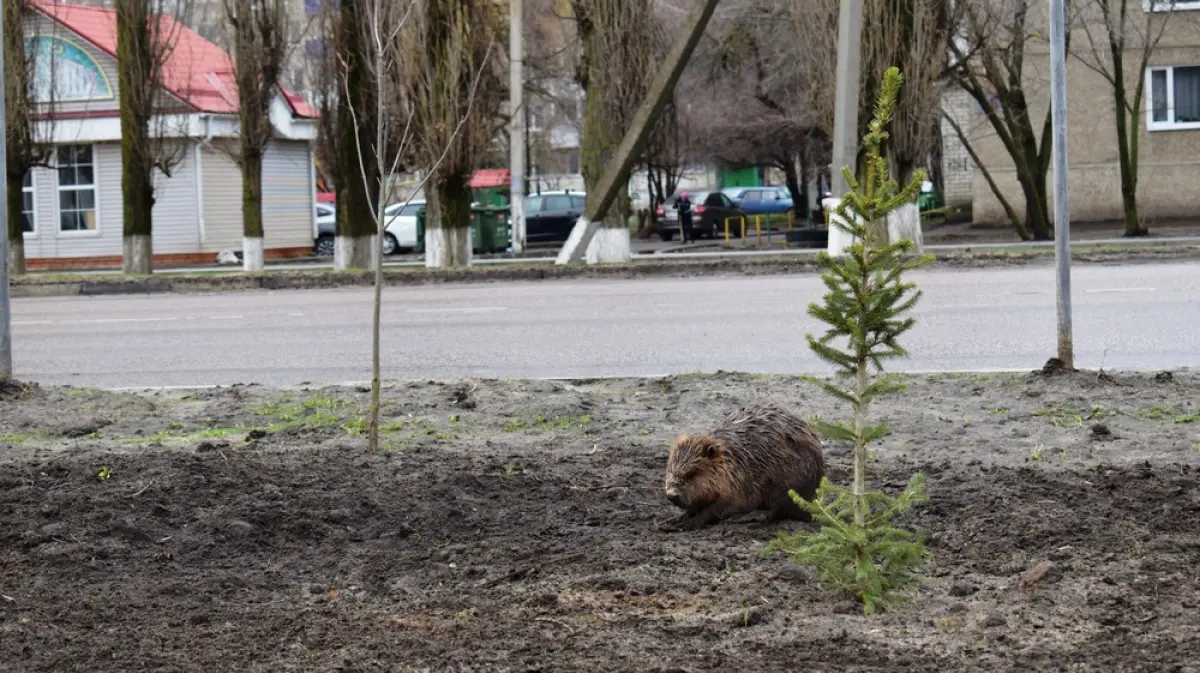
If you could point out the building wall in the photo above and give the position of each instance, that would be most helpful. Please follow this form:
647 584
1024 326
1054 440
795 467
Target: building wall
287 198
958 169
1169 160
175 211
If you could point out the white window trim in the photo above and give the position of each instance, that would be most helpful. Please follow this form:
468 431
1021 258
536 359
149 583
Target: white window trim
33 218
1161 6
59 189
1169 125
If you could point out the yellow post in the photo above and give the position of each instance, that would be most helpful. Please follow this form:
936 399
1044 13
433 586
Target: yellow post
758 229
727 229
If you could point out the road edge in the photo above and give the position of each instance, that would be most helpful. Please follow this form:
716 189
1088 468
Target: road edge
62 286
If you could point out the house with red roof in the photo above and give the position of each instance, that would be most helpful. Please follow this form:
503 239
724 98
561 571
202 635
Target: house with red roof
73 208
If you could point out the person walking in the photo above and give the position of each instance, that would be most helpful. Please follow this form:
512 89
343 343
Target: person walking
684 207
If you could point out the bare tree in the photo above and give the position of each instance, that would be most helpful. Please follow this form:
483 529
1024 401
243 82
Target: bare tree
457 92
988 62
1114 38
260 38
147 32
399 87
617 39
27 144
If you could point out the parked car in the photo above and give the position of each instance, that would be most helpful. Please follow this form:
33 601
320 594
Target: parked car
401 230
709 211
400 233
550 216
761 200
326 230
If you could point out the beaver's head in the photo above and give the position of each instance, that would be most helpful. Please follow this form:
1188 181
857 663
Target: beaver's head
694 469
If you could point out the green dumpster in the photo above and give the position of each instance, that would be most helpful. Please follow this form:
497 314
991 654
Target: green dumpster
490 229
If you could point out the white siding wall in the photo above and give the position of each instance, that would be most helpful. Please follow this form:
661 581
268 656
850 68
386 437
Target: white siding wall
222 201
288 195
287 198
175 212
176 209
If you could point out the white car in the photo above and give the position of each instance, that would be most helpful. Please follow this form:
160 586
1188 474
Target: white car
401 230
326 224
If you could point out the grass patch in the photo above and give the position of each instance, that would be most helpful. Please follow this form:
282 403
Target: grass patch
1159 413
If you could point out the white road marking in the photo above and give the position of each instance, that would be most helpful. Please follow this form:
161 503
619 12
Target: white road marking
224 317
21 323
1121 289
465 309
98 321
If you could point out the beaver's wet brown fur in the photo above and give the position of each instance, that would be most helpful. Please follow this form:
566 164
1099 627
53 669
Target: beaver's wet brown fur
749 462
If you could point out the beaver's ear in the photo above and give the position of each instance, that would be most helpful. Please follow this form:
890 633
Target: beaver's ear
712 450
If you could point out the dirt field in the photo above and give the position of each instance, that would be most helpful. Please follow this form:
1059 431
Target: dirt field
513 526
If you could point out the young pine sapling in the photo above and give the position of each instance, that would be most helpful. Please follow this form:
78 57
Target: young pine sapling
857 551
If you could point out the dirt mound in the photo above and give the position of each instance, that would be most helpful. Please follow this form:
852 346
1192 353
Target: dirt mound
477 543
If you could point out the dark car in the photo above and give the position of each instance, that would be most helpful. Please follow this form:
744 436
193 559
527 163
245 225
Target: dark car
710 209
550 216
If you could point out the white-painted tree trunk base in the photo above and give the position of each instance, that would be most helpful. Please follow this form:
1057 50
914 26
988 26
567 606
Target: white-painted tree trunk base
354 252
252 254
905 223
138 255
574 242
902 223
610 245
445 247
16 258
838 240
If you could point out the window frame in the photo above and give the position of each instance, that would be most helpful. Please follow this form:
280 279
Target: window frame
30 189
59 189
1164 6
1170 124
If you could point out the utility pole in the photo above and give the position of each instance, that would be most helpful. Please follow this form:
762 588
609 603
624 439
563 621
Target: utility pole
845 101
616 174
516 124
6 361
1062 223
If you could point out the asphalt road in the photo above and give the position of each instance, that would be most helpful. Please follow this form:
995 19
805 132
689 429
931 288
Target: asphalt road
1132 316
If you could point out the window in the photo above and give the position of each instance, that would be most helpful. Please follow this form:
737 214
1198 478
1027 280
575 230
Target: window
533 204
578 202
27 217
556 202
1169 6
411 209
1174 98
76 188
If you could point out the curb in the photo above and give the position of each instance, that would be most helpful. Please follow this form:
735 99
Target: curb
757 266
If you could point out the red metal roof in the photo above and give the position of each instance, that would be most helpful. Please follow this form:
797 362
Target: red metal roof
490 177
197 72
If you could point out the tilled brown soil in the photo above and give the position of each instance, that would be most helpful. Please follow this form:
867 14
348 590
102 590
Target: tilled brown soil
513 526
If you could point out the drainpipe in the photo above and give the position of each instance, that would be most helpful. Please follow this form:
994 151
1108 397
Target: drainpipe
205 141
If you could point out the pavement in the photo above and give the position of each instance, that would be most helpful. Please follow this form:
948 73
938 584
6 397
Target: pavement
656 249
1126 317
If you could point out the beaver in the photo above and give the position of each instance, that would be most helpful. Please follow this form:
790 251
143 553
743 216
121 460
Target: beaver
749 462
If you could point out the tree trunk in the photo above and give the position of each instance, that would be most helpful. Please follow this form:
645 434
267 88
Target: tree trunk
135 62
137 255
602 135
252 211
357 165
1037 220
448 230
16 236
792 179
